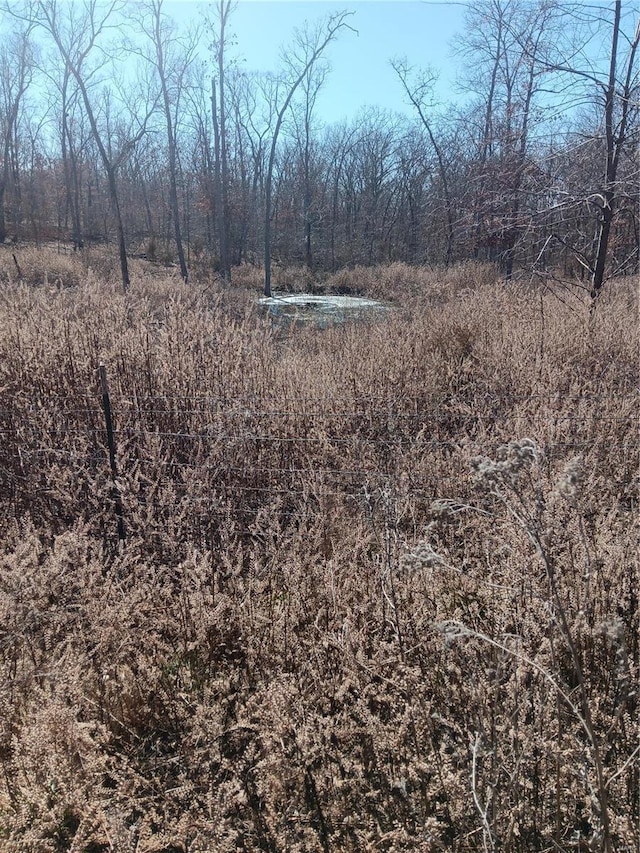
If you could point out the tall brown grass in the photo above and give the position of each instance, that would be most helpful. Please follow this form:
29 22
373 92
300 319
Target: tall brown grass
379 589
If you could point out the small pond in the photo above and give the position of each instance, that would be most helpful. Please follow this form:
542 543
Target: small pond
321 310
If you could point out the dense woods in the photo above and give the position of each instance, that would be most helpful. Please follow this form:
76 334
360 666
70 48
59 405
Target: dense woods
184 154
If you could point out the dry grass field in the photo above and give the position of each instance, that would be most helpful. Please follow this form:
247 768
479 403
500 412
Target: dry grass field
378 589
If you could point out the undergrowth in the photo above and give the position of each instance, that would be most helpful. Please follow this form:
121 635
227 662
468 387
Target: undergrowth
379 585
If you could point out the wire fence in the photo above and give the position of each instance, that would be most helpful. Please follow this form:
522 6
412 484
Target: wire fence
244 454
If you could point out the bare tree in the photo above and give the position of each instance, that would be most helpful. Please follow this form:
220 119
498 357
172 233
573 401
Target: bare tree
308 48
77 31
223 9
505 46
303 119
251 111
370 184
69 146
535 28
199 118
75 43
613 89
171 58
619 98
16 69
418 87
339 143
485 46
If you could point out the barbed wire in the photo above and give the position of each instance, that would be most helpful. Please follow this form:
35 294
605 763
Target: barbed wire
389 442
328 416
219 419
235 491
367 429
93 401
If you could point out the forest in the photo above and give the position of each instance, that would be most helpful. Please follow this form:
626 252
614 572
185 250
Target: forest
184 154
274 585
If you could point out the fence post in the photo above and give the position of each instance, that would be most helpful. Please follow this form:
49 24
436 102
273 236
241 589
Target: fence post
117 498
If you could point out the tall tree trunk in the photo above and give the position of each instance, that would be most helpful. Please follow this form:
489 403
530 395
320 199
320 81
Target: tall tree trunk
113 189
47 16
486 142
108 167
223 9
611 167
69 161
217 190
3 189
171 142
224 165
518 175
9 142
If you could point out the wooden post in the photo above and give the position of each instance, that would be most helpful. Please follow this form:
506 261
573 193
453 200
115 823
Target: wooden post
15 261
106 402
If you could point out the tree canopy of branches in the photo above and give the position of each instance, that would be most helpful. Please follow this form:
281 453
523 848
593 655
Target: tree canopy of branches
185 153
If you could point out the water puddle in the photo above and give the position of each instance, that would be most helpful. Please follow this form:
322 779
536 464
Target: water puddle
321 310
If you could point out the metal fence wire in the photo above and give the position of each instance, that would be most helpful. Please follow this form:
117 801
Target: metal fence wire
237 452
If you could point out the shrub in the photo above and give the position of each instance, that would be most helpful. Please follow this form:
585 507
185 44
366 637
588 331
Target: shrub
379 583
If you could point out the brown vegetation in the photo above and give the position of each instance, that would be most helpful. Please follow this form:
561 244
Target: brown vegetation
379 588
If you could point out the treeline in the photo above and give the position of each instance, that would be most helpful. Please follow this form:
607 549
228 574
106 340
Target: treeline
118 124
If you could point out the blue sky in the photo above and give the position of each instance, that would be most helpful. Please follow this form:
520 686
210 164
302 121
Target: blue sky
361 75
